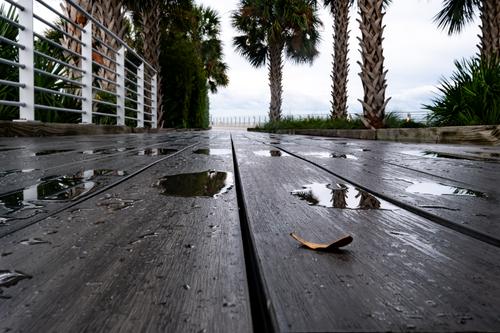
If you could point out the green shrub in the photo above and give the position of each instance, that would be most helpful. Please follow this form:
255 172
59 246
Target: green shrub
470 97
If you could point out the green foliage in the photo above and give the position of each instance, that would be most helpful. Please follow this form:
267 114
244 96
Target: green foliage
191 64
391 121
290 122
291 24
470 97
9 73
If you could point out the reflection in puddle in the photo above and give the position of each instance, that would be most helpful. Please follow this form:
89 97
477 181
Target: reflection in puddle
343 196
271 153
67 187
14 171
441 189
50 152
104 151
211 151
433 154
323 154
156 151
11 278
201 184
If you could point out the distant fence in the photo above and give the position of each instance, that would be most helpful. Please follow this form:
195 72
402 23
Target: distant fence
94 74
251 121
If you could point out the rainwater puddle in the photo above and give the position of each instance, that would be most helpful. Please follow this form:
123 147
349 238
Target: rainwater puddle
434 154
343 196
104 151
53 188
14 171
201 184
11 278
271 153
328 155
155 152
211 151
441 189
33 241
50 152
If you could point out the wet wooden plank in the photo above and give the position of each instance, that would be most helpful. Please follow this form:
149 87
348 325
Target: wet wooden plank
134 260
477 215
401 273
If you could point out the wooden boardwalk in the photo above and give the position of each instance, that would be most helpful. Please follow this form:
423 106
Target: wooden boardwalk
190 232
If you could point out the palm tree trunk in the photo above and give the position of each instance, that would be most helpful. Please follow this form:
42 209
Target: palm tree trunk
275 79
109 13
490 29
340 12
372 65
151 18
75 16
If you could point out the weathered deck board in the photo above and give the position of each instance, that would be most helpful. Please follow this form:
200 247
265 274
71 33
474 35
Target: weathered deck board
375 174
106 270
401 273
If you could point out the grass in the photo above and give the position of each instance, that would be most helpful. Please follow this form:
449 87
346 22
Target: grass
391 121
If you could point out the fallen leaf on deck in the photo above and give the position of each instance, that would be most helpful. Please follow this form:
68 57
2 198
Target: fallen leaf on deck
341 242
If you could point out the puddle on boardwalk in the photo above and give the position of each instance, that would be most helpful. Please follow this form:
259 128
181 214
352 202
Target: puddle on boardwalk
442 189
201 184
11 278
14 171
53 188
476 156
50 152
105 151
155 152
212 151
324 154
343 196
271 153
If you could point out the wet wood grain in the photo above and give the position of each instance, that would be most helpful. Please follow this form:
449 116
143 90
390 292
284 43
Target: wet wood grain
133 260
400 273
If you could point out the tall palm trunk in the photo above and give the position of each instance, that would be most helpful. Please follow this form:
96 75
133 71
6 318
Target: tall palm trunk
275 79
109 13
372 65
490 29
151 18
340 12
75 16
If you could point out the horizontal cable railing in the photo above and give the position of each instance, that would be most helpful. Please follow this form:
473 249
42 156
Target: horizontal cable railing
73 66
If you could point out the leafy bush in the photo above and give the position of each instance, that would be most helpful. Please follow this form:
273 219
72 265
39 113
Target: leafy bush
9 73
391 121
470 97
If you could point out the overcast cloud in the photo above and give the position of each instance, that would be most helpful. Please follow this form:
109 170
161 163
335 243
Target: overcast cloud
417 56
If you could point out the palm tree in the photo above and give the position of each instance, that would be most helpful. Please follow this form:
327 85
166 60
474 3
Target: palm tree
372 64
340 12
150 14
456 13
207 33
270 27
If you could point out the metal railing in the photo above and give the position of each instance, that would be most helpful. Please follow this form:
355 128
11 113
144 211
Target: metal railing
100 77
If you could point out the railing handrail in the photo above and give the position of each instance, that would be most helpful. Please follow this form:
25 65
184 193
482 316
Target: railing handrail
93 55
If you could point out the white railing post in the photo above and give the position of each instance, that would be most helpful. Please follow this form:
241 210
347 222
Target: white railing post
154 101
87 75
26 58
140 95
120 88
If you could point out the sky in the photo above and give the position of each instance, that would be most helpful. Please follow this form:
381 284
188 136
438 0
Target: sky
417 53
417 56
